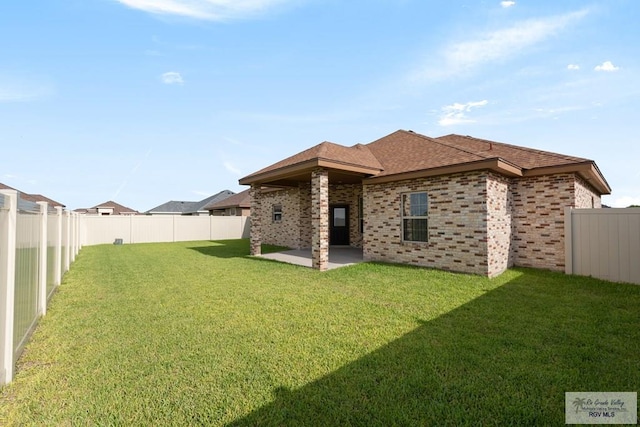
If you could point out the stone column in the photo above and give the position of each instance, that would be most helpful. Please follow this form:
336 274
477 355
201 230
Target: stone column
256 219
320 218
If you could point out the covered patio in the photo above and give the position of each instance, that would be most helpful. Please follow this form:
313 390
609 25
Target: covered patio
323 217
339 256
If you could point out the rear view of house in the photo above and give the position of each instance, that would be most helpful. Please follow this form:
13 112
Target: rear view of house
455 202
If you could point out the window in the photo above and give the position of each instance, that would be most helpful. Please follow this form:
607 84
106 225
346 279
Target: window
414 217
277 213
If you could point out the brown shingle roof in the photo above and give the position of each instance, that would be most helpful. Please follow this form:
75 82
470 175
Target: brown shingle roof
241 200
41 198
33 197
358 156
406 154
118 209
526 158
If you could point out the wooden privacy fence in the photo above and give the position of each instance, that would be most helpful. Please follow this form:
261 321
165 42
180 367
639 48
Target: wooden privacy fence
162 228
37 246
603 243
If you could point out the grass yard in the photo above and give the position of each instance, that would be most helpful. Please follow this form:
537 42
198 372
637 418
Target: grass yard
199 333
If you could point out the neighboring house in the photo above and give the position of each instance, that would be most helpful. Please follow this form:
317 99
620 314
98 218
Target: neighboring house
236 205
108 208
189 208
172 207
34 197
454 202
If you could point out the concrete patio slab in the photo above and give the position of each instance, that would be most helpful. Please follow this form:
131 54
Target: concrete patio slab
339 256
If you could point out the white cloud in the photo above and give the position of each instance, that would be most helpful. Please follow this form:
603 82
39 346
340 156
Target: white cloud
172 78
457 113
459 57
213 10
573 67
231 168
606 66
507 3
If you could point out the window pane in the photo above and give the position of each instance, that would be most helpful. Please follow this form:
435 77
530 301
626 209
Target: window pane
414 204
277 212
415 230
339 217
419 204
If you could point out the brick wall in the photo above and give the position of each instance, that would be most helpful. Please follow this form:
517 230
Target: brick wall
586 198
287 231
499 224
295 230
539 203
304 225
479 222
538 220
457 223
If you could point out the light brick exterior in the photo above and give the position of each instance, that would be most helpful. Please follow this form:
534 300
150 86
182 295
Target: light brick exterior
320 219
499 224
478 222
285 232
457 223
256 220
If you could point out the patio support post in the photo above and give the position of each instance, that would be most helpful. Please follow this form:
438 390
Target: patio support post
256 216
320 219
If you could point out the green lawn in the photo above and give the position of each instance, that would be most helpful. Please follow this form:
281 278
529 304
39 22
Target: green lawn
199 333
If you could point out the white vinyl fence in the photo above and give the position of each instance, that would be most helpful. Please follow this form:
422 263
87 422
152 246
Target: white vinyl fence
37 246
603 243
162 228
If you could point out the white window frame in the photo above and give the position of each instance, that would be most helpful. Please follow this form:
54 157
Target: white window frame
276 213
404 217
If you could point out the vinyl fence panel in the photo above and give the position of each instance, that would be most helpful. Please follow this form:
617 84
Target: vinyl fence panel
32 261
27 276
150 229
603 243
192 228
98 230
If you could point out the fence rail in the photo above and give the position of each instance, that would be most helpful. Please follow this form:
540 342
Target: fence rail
36 247
603 243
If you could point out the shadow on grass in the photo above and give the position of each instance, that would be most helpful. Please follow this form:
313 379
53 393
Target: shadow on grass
505 358
233 249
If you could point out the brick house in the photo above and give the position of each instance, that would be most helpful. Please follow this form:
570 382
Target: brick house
454 202
236 205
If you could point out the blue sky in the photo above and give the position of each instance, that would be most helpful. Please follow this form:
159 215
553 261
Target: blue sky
145 101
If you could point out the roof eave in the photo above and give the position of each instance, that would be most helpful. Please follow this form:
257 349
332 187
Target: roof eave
587 170
292 170
496 164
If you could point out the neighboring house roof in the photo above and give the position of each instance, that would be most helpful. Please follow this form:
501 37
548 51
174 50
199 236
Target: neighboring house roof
183 207
33 197
41 198
200 206
172 207
240 200
115 209
406 155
